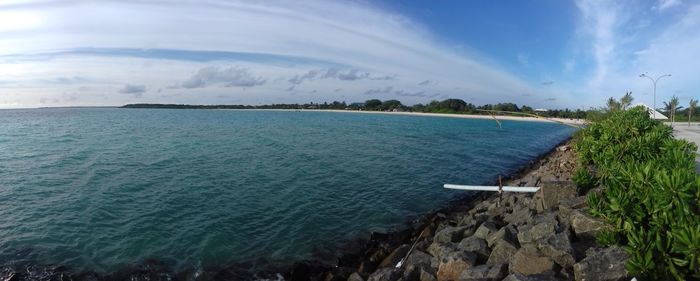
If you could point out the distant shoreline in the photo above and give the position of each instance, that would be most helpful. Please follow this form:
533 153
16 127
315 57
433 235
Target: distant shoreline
467 116
428 114
575 122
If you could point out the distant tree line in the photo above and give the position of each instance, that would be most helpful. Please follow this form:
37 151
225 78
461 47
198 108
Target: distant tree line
453 106
458 106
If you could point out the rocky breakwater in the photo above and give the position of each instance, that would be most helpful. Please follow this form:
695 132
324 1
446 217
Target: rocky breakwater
548 235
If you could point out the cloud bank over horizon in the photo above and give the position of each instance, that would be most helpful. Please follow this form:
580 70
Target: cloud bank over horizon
224 52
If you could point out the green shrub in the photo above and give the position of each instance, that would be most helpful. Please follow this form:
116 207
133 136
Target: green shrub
583 179
651 193
607 237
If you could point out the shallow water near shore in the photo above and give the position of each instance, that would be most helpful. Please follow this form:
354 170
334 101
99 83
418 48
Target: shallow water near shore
102 188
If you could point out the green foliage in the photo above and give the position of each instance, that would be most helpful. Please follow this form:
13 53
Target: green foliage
373 104
583 179
626 100
607 237
651 192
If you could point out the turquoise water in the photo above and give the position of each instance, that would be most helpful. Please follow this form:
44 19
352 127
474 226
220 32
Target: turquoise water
102 188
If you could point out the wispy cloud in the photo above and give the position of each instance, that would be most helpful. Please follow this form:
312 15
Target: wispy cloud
227 77
337 73
599 22
135 90
323 43
666 4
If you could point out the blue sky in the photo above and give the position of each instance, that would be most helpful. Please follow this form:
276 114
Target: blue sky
547 53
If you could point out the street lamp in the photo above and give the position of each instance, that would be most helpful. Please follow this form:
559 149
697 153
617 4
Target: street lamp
654 82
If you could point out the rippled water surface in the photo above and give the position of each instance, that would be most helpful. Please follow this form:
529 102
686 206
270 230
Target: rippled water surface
103 188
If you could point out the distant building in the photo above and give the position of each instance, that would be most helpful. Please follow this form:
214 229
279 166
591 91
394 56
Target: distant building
651 111
541 110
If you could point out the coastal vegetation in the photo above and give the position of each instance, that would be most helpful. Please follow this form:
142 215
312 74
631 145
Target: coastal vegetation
447 106
649 191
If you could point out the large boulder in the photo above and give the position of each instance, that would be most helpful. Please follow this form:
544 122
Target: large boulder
558 247
507 232
606 264
426 276
485 273
475 245
485 229
416 262
355 277
553 192
439 250
451 265
533 233
585 226
519 216
502 252
526 263
450 234
520 277
395 256
384 274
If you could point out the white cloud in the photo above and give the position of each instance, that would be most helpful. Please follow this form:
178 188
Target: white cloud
367 45
228 77
135 90
626 40
665 4
599 20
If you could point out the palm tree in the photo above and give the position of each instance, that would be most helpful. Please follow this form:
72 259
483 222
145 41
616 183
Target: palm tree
671 107
613 105
691 105
626 100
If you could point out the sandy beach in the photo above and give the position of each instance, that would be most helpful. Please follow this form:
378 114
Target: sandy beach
471 116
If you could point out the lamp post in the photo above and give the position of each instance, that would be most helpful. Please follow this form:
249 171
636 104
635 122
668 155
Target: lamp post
654 82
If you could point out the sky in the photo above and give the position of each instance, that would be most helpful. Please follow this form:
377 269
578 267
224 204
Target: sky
547 53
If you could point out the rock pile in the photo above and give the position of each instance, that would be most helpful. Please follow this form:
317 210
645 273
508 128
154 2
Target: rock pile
517 236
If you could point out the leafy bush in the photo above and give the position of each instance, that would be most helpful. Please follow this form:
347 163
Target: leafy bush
651 193
583 179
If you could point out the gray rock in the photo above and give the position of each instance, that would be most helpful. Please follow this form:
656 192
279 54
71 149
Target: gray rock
415 263
355 277
555 192
602 264
558 247
502 252
395 256
452 265
495 210
384 274
531 180
526 263
475 245
507 232
485 273
485 229
585 226
450 234
520 215
426 276
575 203
439 250
520 277
533 233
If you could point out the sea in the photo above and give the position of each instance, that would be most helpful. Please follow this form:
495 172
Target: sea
100 189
